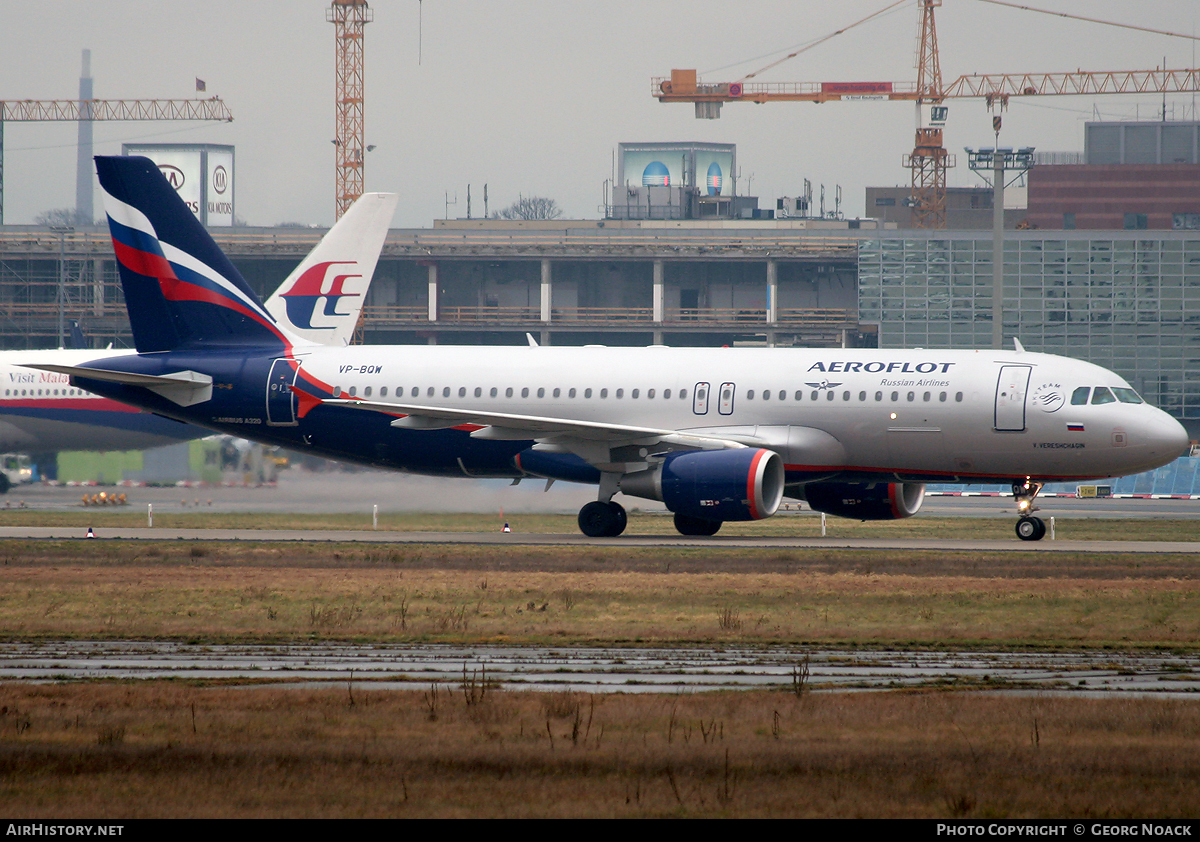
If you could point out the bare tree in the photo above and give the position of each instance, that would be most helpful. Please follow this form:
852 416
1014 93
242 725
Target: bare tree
60 218
530 207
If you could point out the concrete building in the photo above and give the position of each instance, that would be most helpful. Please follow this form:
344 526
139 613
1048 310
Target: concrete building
1135 176
699 283
967 208
1129 301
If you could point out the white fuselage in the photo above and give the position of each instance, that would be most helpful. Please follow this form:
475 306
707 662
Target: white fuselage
953 414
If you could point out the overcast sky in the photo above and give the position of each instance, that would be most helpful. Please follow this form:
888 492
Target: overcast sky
532 96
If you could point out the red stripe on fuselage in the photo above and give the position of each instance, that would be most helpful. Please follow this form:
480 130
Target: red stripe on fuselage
90 404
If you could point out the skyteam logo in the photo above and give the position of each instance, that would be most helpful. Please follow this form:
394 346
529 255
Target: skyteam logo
304 298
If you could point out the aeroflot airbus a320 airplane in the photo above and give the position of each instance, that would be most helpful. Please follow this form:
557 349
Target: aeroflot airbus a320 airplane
320 300
716 434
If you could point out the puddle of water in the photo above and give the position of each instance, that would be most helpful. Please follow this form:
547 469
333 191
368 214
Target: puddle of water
603 670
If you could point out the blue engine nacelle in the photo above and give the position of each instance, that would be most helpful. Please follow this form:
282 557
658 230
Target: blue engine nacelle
738 484
865 500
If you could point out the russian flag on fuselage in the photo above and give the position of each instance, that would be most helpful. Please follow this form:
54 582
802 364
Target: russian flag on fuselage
180 288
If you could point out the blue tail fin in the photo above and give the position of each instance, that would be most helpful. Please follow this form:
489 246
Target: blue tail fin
180 289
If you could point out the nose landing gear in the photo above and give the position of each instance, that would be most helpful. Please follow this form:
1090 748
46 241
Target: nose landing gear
1029 528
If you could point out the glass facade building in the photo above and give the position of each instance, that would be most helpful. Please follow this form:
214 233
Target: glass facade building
1128 301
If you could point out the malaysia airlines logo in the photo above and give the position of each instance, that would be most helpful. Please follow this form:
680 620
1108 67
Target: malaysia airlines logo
303 299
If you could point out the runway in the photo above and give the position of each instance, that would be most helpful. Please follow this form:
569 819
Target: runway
346 492
625 541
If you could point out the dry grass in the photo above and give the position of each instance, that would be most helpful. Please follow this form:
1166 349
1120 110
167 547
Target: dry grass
293 591
165 750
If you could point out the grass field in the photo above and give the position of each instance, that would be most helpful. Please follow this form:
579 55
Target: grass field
170 748
277 591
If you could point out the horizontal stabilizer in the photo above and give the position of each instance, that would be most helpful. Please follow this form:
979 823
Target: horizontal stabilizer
181 387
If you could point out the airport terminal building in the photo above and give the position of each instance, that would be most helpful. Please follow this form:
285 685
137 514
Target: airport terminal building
1125 296
1126 300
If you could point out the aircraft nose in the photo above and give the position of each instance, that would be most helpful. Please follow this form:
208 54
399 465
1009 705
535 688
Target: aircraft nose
1168 436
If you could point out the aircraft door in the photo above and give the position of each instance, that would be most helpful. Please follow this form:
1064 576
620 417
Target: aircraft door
700 399
1011 388
725 407
281 400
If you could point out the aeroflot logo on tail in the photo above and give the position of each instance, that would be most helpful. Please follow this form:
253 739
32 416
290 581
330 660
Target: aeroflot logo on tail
301 300
853 367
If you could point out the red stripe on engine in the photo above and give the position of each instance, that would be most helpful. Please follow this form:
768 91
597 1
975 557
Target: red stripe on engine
751 499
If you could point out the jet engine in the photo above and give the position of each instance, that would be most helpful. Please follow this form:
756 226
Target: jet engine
865 500
714 485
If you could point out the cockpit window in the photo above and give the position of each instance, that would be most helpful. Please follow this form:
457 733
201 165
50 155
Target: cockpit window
1127 395
1102 395
1079 396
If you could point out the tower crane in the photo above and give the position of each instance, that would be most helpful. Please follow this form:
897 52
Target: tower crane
349 17
75 110
929 159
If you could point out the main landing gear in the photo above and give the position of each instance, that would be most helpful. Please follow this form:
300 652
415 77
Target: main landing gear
599 519
1029 528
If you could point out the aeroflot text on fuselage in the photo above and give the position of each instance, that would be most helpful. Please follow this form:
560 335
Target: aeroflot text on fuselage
848 367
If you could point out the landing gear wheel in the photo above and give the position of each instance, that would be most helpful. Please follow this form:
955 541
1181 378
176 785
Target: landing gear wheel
622 518
1031 529
602 520
688 525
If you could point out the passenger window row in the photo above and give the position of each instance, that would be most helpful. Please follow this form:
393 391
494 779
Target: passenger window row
400 392
38 393
635 394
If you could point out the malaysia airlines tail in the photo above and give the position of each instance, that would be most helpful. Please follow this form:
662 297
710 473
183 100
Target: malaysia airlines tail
322 299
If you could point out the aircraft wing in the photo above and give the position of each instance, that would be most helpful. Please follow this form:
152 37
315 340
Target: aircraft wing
597 442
